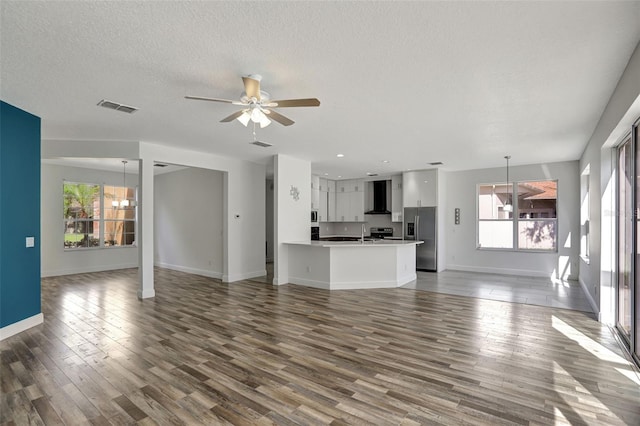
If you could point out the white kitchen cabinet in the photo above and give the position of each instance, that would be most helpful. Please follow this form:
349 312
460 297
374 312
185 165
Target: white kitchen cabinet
419 188
356 205
357 185
323 199
396 198
315 192
331 200
350 200
342 206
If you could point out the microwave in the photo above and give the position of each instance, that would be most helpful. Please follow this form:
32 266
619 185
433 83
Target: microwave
314 216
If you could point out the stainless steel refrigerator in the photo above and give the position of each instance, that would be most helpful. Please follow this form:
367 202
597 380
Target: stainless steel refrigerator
420 225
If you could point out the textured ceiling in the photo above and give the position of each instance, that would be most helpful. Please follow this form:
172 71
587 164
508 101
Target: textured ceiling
408 82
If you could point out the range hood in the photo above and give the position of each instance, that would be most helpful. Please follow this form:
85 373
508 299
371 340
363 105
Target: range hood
379 198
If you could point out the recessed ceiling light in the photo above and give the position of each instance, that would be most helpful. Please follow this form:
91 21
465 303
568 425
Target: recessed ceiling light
340 155
339 175
385 161
426 181
326 174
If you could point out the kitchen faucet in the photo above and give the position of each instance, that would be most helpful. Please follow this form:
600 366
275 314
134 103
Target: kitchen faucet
362 234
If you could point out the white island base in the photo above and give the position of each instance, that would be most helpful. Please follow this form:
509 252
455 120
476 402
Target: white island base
343 266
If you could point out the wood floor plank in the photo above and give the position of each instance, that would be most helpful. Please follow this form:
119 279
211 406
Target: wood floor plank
205 352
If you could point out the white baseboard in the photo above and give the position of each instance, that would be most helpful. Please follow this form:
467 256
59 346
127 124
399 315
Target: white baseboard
189 270
146 294
592 302
353 285
281 281
87 269
499 271
20 326
309 283
229 278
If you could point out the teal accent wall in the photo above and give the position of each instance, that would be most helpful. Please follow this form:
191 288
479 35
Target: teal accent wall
19 214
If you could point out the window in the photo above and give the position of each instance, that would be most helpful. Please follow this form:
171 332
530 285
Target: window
584 214
98 215
534 227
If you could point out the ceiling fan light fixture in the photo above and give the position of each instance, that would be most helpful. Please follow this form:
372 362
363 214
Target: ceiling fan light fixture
264 121
256 114
244 118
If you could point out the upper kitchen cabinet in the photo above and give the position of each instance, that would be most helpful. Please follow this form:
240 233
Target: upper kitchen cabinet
331 200
396 198
323 200
419 188
350 200
315 192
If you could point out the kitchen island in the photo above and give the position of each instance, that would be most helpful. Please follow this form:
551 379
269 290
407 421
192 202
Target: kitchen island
342 265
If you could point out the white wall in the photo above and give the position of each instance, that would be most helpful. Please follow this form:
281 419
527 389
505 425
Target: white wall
188 221
293 221
57 261
269 219
598 274
243 211
461 252
444 220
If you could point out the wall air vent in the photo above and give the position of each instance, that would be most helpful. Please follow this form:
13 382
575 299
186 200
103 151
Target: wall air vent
437 163
160 165
118 107
262 144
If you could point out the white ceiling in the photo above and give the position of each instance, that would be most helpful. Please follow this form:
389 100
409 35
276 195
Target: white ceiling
465 83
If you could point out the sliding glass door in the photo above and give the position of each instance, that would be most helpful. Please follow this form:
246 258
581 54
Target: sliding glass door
628 208
625 238
635 290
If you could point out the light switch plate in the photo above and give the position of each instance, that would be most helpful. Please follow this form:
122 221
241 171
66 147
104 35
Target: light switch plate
30 241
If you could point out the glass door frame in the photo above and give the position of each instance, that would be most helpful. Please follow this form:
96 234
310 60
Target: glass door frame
632 339
626 147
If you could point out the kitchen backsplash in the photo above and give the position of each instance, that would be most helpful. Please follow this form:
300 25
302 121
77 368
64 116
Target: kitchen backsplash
354 228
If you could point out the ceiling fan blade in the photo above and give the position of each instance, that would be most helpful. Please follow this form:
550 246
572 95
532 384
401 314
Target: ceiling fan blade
226 101
199 98
251 87
279 117
232 116
285 103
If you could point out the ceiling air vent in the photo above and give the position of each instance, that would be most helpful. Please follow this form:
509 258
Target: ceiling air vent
262 144
118 107
437 163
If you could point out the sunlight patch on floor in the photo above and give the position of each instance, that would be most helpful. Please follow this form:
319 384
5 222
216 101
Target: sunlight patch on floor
586 342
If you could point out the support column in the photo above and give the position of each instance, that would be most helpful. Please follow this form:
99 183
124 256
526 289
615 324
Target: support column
145 229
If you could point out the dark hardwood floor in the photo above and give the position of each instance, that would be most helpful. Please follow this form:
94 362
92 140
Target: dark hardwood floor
203 352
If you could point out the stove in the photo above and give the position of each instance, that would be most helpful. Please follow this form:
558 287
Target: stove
381 232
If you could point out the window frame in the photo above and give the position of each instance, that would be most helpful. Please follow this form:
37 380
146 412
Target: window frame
515 219
101 221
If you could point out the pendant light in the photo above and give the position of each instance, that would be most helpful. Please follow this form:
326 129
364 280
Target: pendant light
508 207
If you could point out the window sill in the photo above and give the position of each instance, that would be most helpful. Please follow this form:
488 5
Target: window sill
517 250
72 249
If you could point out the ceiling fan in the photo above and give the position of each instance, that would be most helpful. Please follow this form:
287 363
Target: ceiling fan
258 105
